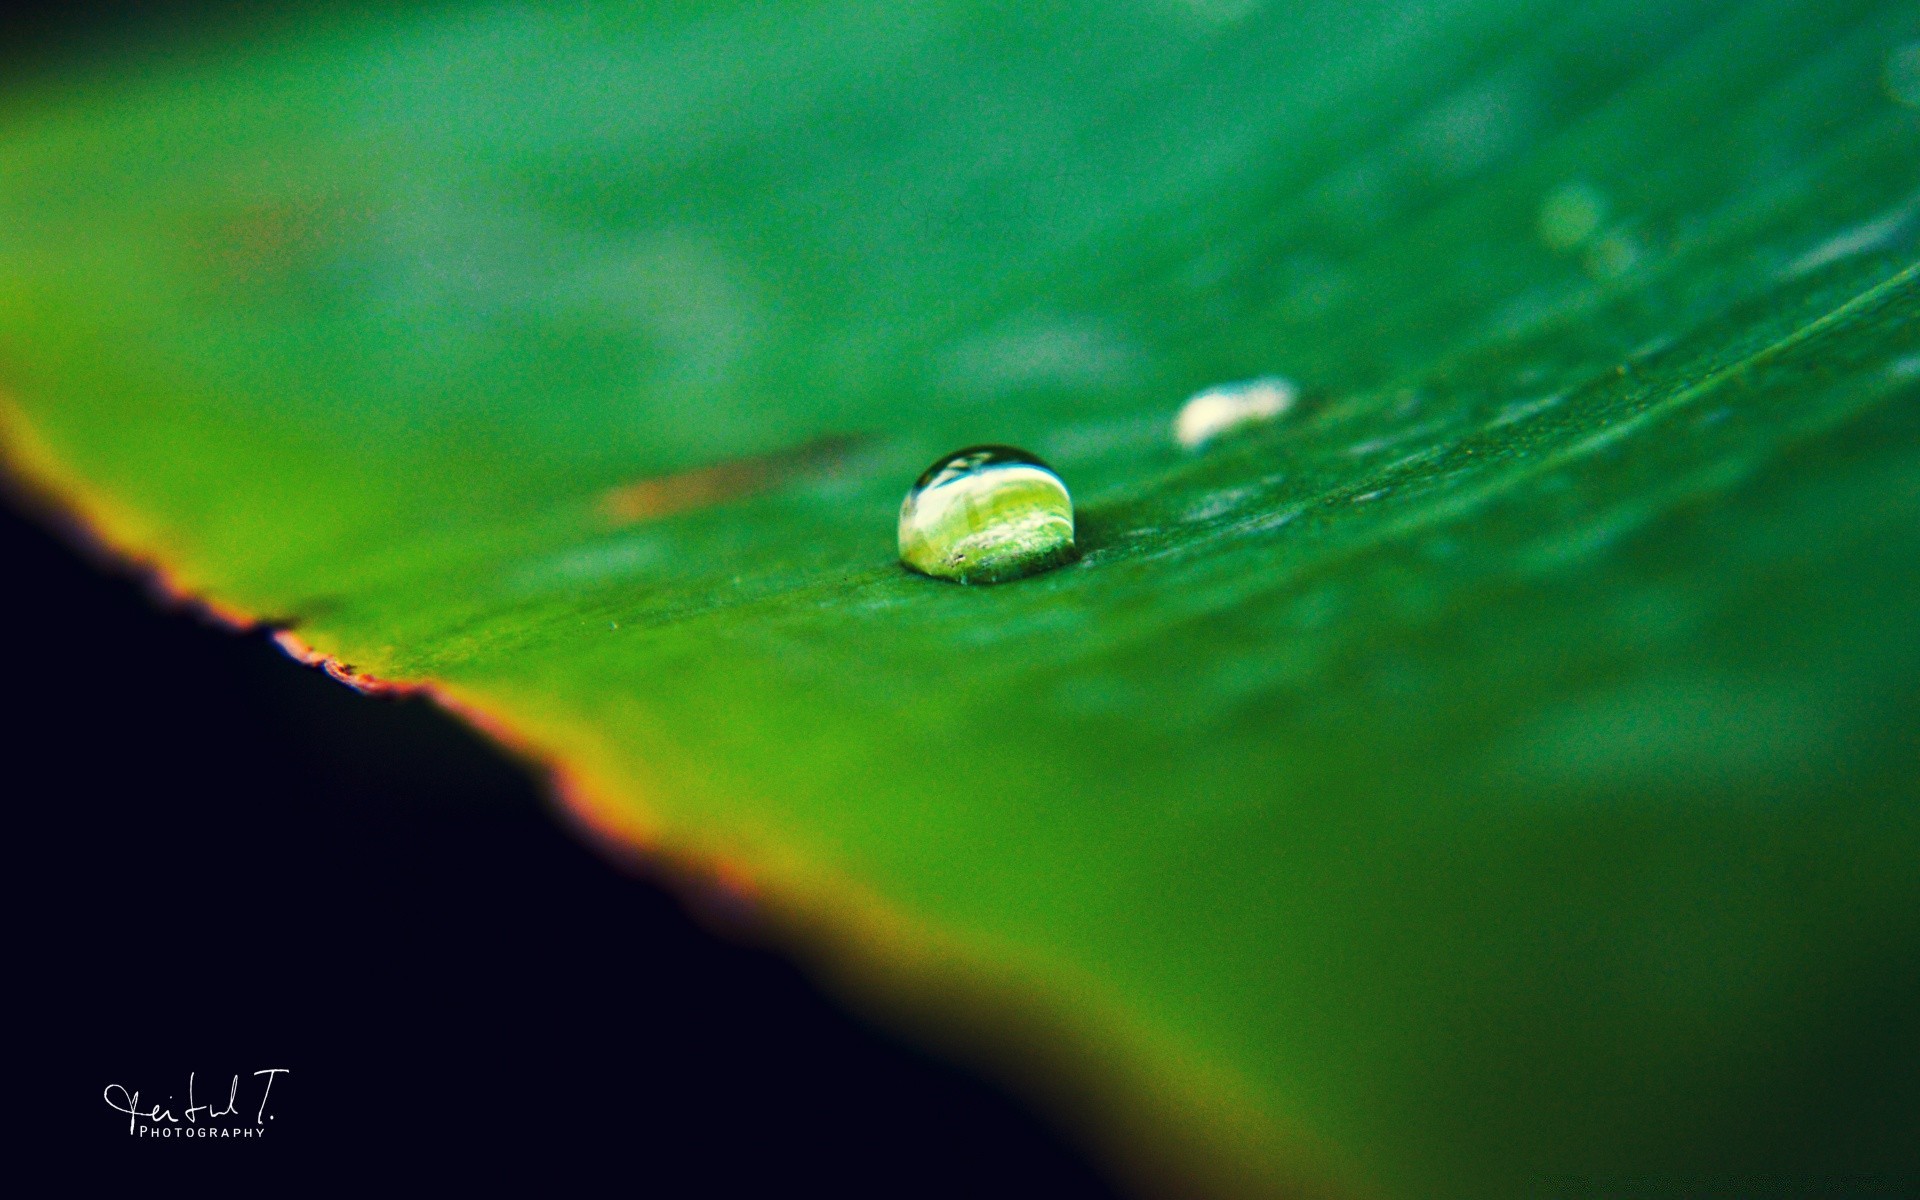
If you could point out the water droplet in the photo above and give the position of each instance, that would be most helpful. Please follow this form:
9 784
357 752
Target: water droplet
1474 127
1221 410
1571 215
1217 505
1520 410
986 514
1861 239
1264 522
1902 75
1612 256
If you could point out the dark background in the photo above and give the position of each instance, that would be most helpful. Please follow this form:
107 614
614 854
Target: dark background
225 862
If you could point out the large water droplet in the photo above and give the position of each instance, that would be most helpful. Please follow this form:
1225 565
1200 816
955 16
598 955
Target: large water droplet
984 515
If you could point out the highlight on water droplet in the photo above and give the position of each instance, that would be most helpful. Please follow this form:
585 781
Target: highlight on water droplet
986 514
1221 410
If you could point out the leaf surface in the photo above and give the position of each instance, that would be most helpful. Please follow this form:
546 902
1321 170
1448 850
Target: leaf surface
1501 768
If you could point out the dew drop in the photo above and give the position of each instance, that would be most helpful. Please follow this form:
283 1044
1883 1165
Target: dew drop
1902 75
1570 215
1221 410
1611 256
986 514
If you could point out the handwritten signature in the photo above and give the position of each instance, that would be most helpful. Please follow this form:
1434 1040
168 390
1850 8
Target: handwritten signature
156 1115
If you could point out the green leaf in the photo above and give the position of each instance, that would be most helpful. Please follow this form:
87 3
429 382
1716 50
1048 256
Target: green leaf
1499 770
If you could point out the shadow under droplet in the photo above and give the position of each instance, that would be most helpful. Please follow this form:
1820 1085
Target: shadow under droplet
1097 529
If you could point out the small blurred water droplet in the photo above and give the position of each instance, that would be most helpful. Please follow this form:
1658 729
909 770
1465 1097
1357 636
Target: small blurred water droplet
1570 215
1221 410
1864 238
986 514
1520 410
1902 75
1612 256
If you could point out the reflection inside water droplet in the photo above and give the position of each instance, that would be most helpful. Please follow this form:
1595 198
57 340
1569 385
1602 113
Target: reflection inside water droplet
986 514
1221 410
